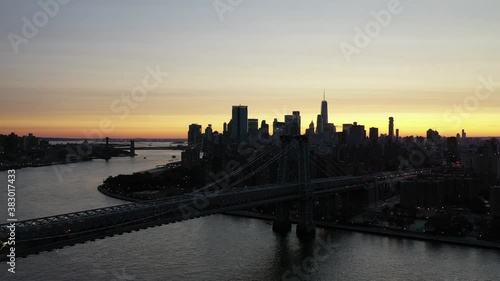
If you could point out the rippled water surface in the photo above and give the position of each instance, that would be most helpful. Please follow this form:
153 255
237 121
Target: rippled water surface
218 247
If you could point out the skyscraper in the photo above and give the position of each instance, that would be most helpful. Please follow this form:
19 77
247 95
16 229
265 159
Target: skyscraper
324 110
194 135
453 152
319 124
310 131
433 136
391 129
357 134
374 134
253 126
288 124
264 127
278 128
208 133
239 123
346 128
292 124
296 117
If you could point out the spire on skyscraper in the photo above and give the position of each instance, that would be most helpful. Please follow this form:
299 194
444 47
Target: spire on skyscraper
324 109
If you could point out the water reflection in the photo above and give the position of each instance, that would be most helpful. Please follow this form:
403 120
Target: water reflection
224 247
297 259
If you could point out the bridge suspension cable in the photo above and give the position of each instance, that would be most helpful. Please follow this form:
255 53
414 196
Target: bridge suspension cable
343 172
285 150
239 170
320 166
248 164
330 166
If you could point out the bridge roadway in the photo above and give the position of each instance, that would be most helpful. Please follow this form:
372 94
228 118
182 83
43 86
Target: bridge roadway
47 233
155 148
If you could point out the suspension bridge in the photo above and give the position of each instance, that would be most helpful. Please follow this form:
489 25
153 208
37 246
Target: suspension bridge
294 184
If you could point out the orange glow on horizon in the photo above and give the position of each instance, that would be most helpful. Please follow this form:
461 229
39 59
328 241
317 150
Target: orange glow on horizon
177 129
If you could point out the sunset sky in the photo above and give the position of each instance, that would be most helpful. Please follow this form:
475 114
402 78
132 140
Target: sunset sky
423 67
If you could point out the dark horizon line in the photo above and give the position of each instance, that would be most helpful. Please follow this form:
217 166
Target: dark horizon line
65 138
156 139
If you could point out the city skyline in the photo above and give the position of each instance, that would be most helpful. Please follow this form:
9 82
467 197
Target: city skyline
250 140
423 68
383 128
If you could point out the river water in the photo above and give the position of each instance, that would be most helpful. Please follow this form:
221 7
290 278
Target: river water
218 247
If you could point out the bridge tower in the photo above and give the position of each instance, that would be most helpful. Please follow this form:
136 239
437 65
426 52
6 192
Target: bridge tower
132 148
107 153
294 168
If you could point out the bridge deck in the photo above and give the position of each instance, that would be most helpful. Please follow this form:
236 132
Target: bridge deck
40 234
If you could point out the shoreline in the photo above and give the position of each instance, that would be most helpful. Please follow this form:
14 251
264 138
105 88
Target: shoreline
156 170
161 168
382 232
116 196
19 167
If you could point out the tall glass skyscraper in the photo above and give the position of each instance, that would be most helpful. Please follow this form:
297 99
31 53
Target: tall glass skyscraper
239 123
324 110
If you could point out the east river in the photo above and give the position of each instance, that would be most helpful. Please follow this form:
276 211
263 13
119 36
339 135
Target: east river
218 247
